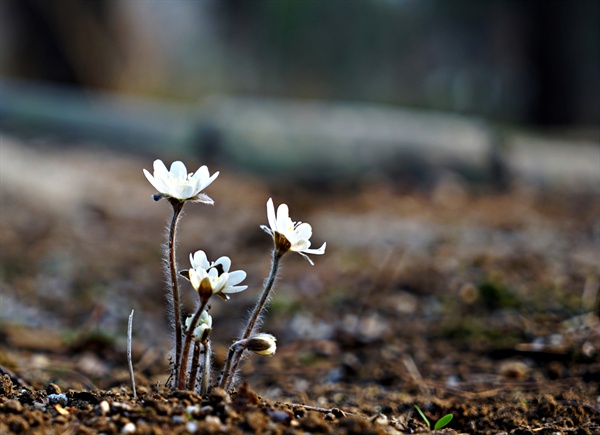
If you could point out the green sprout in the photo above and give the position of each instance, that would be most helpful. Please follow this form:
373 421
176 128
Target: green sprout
441 423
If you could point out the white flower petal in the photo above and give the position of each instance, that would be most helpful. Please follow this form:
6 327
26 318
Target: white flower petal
199 260
300 245
225 262
307 258
271 215
177 183
304 231
178 170
160 170
219 282
234 289
201 173
319 251
156 183
195 278
236 277
203 183
283 218
203 198
266 229
182 191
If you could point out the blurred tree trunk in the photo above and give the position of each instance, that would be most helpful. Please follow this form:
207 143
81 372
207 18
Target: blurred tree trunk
560 35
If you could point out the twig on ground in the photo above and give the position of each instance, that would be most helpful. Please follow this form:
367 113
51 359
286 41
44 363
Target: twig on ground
129 359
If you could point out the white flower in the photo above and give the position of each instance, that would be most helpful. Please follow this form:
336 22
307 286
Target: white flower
203 327
179 184
262 344
215 274
296 235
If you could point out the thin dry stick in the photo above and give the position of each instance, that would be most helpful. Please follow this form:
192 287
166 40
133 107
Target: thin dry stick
415 374
177 207
129 359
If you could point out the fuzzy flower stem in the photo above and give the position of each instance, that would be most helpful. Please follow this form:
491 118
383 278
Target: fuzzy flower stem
189 337
206 369
175 300
195 367
237 357
234 350
234 356
264 297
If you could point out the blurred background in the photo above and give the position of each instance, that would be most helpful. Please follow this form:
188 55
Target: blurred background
448 152
314 89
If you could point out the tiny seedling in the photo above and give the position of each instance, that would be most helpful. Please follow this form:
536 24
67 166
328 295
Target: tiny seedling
440 424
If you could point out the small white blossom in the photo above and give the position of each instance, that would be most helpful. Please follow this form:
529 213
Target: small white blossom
203 328
296 234
215 274
179 184
262 344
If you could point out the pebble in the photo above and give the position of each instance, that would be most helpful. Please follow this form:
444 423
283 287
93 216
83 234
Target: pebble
104 407
128 428
193 410
191 426
58 399
178 419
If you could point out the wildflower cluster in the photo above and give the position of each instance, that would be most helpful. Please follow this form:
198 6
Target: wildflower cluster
192 346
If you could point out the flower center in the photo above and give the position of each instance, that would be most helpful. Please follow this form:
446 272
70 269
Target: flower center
179 179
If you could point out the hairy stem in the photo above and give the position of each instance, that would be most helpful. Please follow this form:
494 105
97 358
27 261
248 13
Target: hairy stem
195 367
175 300
226 373
264 297
235 362
233 359
185 354
205 368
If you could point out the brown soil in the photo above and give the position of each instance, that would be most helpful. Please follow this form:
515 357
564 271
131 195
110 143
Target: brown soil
479 304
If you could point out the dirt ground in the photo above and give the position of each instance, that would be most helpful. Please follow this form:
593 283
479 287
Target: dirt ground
452 297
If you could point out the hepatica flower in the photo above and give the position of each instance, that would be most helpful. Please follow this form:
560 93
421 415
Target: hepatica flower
177 183
289 235
203 328
214 278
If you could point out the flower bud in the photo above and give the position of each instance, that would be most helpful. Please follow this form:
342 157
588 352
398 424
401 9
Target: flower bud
203 328
262 344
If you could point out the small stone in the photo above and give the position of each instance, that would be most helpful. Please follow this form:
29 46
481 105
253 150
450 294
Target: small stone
128 428
58 399
104 407
53 389
13 407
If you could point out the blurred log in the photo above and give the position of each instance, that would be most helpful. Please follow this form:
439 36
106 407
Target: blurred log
308 140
